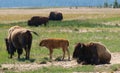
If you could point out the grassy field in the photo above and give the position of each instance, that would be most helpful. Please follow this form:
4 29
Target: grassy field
77 27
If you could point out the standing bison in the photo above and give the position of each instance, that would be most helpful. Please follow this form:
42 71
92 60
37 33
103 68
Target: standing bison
92 53
55 16
37 20
53 43
17 39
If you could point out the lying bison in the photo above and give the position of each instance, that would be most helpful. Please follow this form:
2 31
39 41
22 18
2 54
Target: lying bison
55 16
92 53
53 43
37 20
17 39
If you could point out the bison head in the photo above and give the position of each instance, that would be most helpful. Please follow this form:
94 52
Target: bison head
43 43
29 23
79 50
9 47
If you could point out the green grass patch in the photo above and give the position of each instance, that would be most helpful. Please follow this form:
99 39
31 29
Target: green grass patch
75 31
65 29
57 69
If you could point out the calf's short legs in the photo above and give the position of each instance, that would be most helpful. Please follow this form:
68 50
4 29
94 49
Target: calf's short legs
51 51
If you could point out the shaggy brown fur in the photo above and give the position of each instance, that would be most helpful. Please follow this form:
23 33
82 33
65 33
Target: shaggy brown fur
92 53
18 39
55 16
38 20
53 43
13 28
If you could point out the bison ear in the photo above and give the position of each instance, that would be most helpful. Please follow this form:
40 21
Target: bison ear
82 45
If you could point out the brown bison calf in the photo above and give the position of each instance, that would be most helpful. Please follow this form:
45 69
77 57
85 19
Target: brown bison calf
53 43
17 39
92 53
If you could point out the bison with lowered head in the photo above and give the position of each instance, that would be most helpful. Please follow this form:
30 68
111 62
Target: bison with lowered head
55 16
92 53
19 38
52 43
38 20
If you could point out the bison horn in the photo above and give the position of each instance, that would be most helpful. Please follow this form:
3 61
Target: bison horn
81 46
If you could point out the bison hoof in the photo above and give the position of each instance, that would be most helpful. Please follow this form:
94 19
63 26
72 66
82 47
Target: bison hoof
10 57
69 60
27 58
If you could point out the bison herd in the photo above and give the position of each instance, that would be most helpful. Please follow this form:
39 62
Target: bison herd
39 20
20 38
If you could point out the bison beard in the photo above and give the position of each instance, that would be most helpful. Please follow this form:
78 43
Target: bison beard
92 53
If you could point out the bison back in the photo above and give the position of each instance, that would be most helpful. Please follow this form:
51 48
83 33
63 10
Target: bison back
21 37
55 16
103 53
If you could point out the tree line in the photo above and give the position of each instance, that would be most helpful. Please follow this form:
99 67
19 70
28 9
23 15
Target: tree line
114 5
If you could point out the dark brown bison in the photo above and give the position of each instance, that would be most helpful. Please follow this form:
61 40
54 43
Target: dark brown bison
92 53
17 39
53 43
38 20
55 16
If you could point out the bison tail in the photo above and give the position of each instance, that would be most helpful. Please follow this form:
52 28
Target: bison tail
34 32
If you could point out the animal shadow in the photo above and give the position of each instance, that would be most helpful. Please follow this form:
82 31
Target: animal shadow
23 60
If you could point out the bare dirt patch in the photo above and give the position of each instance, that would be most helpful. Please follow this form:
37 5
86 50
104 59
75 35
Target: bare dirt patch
66 64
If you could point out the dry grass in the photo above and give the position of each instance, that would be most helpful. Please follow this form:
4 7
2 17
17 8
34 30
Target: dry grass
80 13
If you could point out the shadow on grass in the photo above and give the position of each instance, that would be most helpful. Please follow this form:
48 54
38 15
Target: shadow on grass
44 60
59 58
23 60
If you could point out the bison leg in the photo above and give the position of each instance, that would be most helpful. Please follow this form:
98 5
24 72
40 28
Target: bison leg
68 54
51 51
44 24
28 54
27 50
63 53
10 56
19 51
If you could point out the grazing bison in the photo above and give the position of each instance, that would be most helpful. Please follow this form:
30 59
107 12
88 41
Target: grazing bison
55 16
18 39
37 20
92 53
53 43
